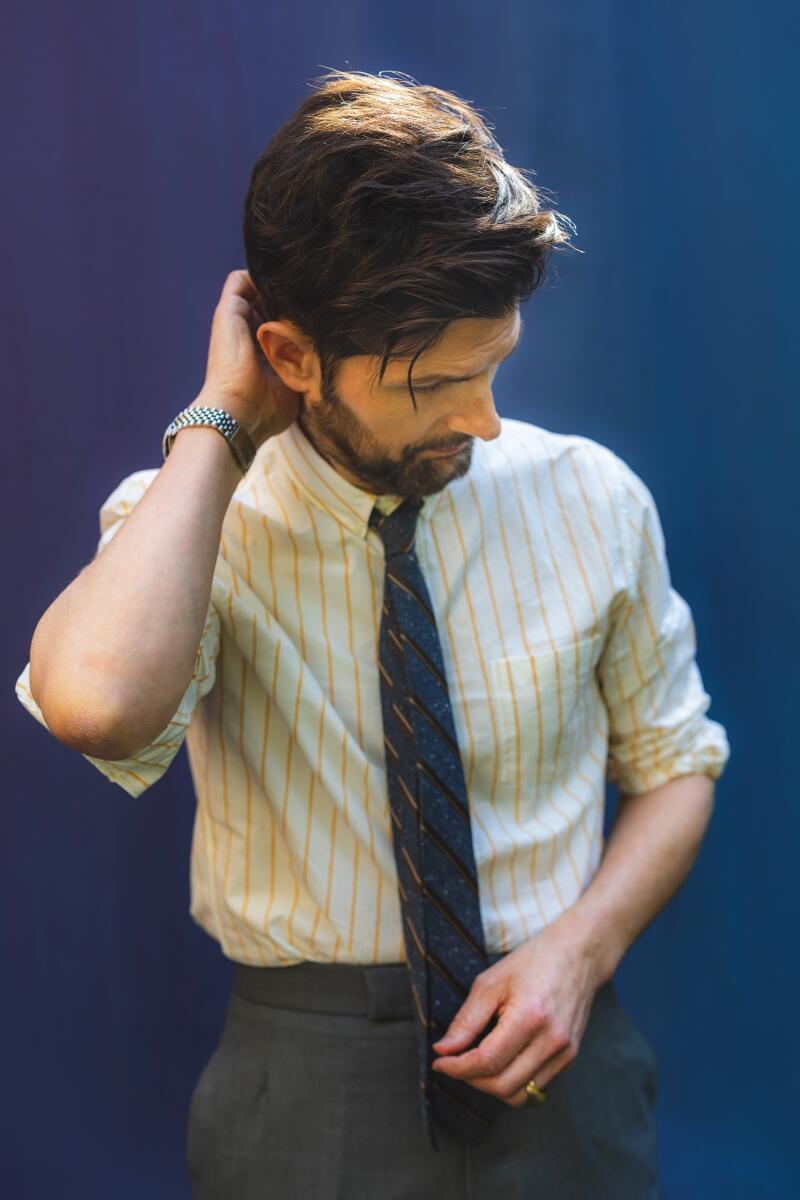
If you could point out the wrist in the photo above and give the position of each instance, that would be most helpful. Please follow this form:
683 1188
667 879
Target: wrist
600 947
212 398
210 443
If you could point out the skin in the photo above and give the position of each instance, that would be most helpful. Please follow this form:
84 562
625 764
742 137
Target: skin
543 990
369 430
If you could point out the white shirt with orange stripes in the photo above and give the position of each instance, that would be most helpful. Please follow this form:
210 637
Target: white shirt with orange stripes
569 656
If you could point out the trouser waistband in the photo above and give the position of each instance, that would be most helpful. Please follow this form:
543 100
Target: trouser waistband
376 990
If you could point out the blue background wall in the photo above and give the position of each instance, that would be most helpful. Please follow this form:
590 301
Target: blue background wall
666 133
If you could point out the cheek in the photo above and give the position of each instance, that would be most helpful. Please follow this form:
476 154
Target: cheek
395 426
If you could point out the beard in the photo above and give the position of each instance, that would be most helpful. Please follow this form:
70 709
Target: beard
336 433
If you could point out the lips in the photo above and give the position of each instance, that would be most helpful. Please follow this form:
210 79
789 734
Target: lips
451 449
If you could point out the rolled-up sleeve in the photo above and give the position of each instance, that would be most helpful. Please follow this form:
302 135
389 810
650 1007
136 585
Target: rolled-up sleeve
648 673
146 767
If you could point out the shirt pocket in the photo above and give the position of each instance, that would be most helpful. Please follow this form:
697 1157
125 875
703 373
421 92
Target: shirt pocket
538 702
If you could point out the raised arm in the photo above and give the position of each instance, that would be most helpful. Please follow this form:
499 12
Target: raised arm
113 654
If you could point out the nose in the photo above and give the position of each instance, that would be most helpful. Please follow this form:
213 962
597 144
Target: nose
478 419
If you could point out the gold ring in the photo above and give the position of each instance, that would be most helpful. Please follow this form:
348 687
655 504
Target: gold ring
534 1092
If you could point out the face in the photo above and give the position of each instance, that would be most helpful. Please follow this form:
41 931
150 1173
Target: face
370 432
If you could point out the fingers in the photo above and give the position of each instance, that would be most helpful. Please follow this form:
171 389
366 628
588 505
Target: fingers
471 1018
509 1084
493 1054
508 1057
512 1089
239 283
238 288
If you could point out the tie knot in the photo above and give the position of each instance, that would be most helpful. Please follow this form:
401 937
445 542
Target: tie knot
397 530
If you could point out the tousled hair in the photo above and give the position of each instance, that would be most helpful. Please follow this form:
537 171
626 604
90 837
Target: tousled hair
382 210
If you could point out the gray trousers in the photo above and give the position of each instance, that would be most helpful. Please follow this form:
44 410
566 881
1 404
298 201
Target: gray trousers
312 1093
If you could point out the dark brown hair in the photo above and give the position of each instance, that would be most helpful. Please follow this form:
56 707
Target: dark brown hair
382 210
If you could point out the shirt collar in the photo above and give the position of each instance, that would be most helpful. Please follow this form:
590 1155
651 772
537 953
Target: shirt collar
328 489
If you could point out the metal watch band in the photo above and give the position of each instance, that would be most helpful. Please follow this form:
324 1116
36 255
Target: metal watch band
239 440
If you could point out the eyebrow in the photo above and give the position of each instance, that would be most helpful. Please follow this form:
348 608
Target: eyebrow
439 378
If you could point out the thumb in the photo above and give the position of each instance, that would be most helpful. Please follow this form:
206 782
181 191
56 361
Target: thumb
468 1023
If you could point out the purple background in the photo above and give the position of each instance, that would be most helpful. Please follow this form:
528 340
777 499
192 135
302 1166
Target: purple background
667 134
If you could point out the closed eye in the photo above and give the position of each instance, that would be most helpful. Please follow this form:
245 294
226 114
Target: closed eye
434 387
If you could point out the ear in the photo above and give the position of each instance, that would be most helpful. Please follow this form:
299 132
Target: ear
289 353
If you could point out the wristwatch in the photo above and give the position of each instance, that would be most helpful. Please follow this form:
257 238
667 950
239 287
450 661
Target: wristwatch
237 437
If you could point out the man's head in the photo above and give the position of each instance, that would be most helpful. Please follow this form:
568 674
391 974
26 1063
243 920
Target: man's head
389 240
368 427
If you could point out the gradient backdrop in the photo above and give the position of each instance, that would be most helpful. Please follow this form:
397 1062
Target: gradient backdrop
666 132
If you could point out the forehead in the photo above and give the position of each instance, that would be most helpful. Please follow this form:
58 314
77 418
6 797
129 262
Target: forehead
469 335
467 347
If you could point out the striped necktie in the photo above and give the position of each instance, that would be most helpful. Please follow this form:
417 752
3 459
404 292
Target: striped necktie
431 829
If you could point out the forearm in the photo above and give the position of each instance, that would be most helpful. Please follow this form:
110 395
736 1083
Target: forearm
113 654
650 850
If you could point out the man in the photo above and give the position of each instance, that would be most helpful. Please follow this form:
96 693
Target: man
406 649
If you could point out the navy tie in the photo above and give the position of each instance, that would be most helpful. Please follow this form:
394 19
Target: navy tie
431 829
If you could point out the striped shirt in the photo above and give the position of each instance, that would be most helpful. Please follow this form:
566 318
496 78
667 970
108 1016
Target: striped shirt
570 659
